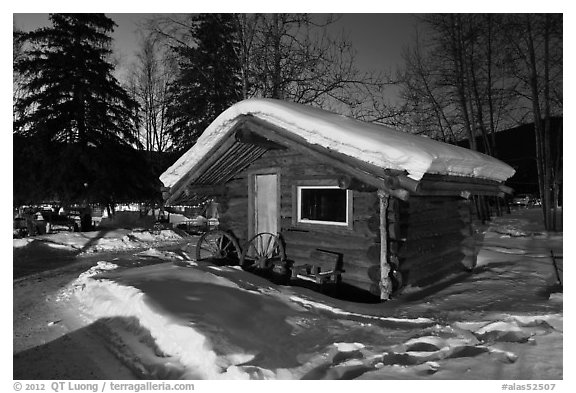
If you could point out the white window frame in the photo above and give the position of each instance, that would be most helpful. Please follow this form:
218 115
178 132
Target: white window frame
301 220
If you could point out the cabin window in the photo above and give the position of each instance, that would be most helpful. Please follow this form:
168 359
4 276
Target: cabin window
329 205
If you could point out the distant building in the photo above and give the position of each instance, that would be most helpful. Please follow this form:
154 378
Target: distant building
517 147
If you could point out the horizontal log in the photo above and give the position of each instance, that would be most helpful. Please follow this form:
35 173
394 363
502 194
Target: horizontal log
430 246
365 204
465 194
360 284
424 213
373 273
429 177
373 221
373 254
354 264
355 259
351 183
415 224
362 229
289 225
431 262
357 275
435 276
374 289
426 185
349 267
427 231
311 233
326 256
425 216
430 200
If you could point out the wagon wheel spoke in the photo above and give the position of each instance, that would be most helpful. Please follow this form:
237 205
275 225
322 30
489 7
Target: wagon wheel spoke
261 251
210 248
270 252
227 246
218 245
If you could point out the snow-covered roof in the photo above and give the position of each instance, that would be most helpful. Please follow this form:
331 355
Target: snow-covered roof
374 144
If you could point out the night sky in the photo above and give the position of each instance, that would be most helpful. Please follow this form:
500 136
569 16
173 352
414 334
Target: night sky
377 38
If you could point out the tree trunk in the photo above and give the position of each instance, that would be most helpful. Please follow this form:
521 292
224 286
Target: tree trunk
547 154
490 90
277 57
458 59
538 132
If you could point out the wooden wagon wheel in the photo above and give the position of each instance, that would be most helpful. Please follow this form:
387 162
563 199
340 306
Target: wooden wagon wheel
263 251
218 246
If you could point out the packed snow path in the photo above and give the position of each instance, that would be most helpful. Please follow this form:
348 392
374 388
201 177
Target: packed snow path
183 319
220 322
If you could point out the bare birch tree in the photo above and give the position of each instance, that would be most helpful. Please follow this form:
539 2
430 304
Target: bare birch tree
536 40
484 73
149 80
462 78
293 57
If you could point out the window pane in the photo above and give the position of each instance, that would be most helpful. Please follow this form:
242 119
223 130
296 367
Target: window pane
323 204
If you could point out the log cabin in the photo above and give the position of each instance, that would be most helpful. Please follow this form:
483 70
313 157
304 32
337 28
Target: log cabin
356 202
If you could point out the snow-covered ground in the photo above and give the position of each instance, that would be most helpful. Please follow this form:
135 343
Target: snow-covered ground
95 241
33 254
182 319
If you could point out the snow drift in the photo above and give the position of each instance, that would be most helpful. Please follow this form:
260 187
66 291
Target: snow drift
182 319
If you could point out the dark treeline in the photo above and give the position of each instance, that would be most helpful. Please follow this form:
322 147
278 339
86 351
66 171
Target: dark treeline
466 76
75 138
473 75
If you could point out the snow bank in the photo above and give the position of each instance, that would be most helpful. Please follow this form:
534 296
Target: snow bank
321 306
21 243
205 325
83 279
96 241
107 299
374 144
159 254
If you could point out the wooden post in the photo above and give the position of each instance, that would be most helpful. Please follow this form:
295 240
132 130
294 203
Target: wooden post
385 282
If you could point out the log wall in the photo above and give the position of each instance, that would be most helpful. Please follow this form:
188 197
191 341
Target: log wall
433 239
301 240
429 237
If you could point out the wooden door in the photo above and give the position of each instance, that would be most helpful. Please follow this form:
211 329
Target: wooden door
266 203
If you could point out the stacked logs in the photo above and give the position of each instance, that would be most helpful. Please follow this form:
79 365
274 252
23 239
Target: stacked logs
432 239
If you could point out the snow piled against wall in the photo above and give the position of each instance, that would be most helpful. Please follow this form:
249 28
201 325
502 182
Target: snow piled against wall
374 144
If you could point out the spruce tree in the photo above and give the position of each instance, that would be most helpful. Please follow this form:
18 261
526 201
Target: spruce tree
208 81
74 115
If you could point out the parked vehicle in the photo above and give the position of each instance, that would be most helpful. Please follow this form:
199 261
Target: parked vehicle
28 225
524 200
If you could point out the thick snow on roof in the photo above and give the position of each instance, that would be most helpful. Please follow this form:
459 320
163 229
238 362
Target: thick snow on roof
374 144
